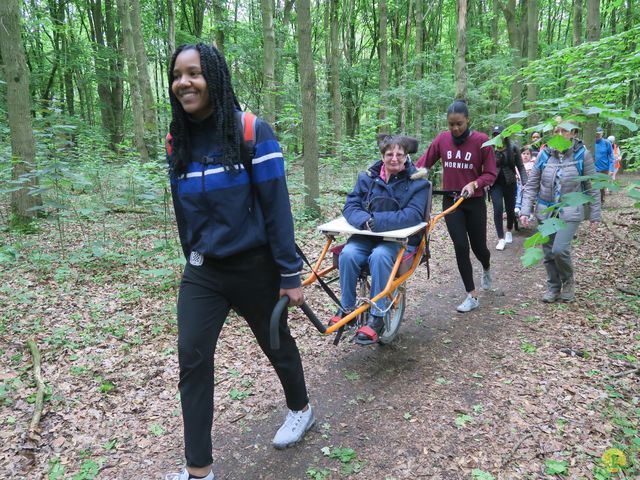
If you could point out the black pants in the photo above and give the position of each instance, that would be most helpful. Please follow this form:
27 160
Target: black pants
503 195
468 224
248 283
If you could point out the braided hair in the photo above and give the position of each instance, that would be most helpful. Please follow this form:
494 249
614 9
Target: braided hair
224 103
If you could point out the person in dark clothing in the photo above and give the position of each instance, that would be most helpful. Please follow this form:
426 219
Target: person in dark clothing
503 190
467 167
236 231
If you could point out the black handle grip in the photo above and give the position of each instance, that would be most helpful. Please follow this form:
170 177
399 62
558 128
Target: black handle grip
280 313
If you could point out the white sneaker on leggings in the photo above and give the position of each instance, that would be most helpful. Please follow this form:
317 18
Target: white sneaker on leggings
294 427
184 475
508 238
501 244
469 304
485 280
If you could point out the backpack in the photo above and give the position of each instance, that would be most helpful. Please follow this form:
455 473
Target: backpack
246 124
578 157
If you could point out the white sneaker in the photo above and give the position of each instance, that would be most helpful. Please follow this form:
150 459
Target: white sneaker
294 427
469 304
508 238
184 475
485 280
501 244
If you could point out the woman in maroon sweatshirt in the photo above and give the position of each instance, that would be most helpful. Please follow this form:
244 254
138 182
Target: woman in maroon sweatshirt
467 168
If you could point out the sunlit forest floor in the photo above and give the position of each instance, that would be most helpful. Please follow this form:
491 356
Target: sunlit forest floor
514 390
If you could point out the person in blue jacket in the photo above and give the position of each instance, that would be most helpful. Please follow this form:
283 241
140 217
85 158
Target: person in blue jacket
390 195
603 158
236 230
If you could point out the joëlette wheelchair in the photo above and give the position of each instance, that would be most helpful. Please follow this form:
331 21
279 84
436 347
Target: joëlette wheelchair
405 264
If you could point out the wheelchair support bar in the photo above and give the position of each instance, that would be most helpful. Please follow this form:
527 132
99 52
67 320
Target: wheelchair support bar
280 313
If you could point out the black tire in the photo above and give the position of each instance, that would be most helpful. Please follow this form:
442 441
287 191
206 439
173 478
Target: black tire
393 319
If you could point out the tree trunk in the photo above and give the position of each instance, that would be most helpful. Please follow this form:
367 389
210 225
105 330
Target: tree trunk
515 42
220 20
171 34
23 146
269 62
383 125
532 51
308 95
405 61
577 22
334 75
281 38
593 35
148 101
417 119
134 86
461 51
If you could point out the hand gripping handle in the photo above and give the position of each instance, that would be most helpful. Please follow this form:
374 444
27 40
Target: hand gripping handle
280 314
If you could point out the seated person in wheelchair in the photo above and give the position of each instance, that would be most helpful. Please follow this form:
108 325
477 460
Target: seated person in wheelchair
391 195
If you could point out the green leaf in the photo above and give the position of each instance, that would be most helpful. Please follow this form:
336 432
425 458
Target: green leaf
156 430
625 123
555 467
462 420
495 141
345 455
511 129
551 226
535 240
478 474
517 115
575 199
559 143
532 256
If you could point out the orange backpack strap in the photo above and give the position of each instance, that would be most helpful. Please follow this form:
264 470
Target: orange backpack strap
249 127
168 144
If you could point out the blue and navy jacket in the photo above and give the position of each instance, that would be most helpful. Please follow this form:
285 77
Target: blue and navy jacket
399 203
221 212
604 156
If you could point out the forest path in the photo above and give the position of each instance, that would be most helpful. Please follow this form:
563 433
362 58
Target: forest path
497 389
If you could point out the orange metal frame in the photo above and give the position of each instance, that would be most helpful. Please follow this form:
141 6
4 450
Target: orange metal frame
393 282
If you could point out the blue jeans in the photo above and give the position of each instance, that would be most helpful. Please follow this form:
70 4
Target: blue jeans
380 256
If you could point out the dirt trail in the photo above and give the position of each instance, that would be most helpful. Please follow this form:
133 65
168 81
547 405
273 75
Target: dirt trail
453 393
504 390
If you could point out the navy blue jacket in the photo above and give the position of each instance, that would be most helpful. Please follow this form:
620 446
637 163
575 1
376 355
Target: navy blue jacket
224 212
400 203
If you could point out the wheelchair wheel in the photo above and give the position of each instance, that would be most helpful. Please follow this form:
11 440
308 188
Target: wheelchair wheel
393 318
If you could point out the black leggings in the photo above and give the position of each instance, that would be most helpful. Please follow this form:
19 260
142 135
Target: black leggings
468 224
248 283
508 194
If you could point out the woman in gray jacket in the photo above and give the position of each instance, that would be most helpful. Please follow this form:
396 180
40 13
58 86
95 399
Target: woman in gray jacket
553 176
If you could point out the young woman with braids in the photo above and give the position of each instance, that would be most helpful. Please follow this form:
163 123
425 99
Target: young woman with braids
467 168
236 231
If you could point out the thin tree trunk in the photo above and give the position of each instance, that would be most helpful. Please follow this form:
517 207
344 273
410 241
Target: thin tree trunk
148 100
334 75
308 94
461 51
593 35
269 62
515 40
417 120
134 87
281 38
23 145
383 125
532 51
171 34
219 18
405 61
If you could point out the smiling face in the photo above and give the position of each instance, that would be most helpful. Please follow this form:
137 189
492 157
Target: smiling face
189 85
393 159
458 123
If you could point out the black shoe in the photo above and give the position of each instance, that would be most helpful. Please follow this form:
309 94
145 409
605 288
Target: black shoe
370 333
